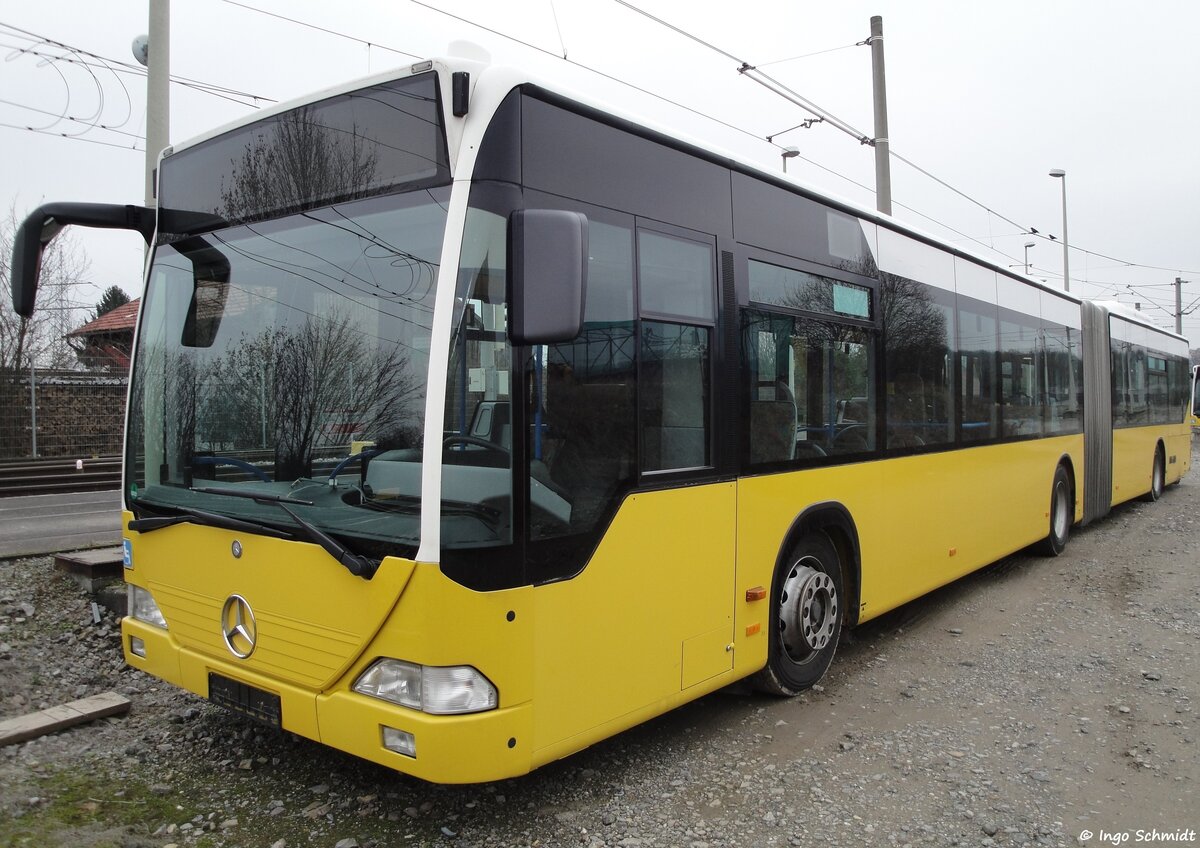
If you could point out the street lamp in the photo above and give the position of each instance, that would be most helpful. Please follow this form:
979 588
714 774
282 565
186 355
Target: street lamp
1060 174
1028 245
789 153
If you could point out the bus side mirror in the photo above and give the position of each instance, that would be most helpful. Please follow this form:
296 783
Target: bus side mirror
45 222
547 261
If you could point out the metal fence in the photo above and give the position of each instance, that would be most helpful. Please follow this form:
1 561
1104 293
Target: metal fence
61 414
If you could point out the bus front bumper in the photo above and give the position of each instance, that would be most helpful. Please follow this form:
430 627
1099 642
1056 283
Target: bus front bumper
472 748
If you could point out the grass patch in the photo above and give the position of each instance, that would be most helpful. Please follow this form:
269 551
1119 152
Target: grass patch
89 809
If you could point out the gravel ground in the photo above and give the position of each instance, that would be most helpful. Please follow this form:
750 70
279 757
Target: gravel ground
1037 702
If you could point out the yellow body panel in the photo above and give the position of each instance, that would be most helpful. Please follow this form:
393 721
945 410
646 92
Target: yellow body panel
922 521
1178 443
646 626
313 616
1133 457
441 623
659 616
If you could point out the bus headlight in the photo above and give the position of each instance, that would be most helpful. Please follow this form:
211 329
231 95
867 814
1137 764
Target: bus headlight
451 690
143 607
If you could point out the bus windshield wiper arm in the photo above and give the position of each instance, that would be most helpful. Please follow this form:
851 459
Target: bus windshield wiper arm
197 516
357 565
263 497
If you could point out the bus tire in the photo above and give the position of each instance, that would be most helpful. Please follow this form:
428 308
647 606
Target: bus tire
1062 514
806 617
1158 477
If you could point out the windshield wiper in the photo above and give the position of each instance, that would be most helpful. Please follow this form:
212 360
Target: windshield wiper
263 497
357 565
211 519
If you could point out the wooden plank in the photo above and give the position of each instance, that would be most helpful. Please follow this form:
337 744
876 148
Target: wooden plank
33 725
92 569
99 562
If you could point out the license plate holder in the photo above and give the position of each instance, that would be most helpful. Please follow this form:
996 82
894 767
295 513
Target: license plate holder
251 701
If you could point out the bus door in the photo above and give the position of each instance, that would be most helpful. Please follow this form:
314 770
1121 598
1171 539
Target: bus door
635 580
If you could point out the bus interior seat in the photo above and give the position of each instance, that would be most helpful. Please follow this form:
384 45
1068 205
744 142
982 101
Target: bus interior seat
772 430
852 439
852 411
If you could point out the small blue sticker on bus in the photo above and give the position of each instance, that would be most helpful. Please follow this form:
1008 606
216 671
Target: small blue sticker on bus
128 555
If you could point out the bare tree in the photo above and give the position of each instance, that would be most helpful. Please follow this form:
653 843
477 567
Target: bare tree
40 339
299 389
331 381
296 162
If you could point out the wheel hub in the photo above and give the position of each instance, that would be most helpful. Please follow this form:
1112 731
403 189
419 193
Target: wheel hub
808 610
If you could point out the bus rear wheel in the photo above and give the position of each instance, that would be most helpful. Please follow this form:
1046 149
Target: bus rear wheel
1062 514
1158 477
806 617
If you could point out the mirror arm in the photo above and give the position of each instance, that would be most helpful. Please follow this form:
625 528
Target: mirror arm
45 222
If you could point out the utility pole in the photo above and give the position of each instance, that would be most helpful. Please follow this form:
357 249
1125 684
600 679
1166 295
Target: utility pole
883 163
1178 306
1060 174
158 93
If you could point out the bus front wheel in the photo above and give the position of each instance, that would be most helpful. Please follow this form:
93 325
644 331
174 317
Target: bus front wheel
1062 514
806 617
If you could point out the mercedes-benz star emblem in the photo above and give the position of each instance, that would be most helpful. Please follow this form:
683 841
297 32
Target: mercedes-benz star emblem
238 627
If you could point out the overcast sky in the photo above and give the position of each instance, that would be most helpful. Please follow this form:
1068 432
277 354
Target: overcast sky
987 96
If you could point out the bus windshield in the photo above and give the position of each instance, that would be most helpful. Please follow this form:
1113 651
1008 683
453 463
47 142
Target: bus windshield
279 358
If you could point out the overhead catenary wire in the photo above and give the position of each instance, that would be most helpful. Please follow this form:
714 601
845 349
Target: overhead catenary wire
846 127
215 90
816 53
75 137
607 76
326 30
71 118
747 69
118 65
751 72
697 112
87 60
558 29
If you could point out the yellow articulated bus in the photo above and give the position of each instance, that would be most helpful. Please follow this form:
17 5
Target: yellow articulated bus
471 423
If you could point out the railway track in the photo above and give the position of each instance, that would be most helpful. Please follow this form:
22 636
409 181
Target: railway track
47 476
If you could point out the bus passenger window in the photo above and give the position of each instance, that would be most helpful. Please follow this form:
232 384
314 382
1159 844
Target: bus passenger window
674 396
677 303
1064 380
675 277
1021 388
1156 390
919 354
977 359
808 389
